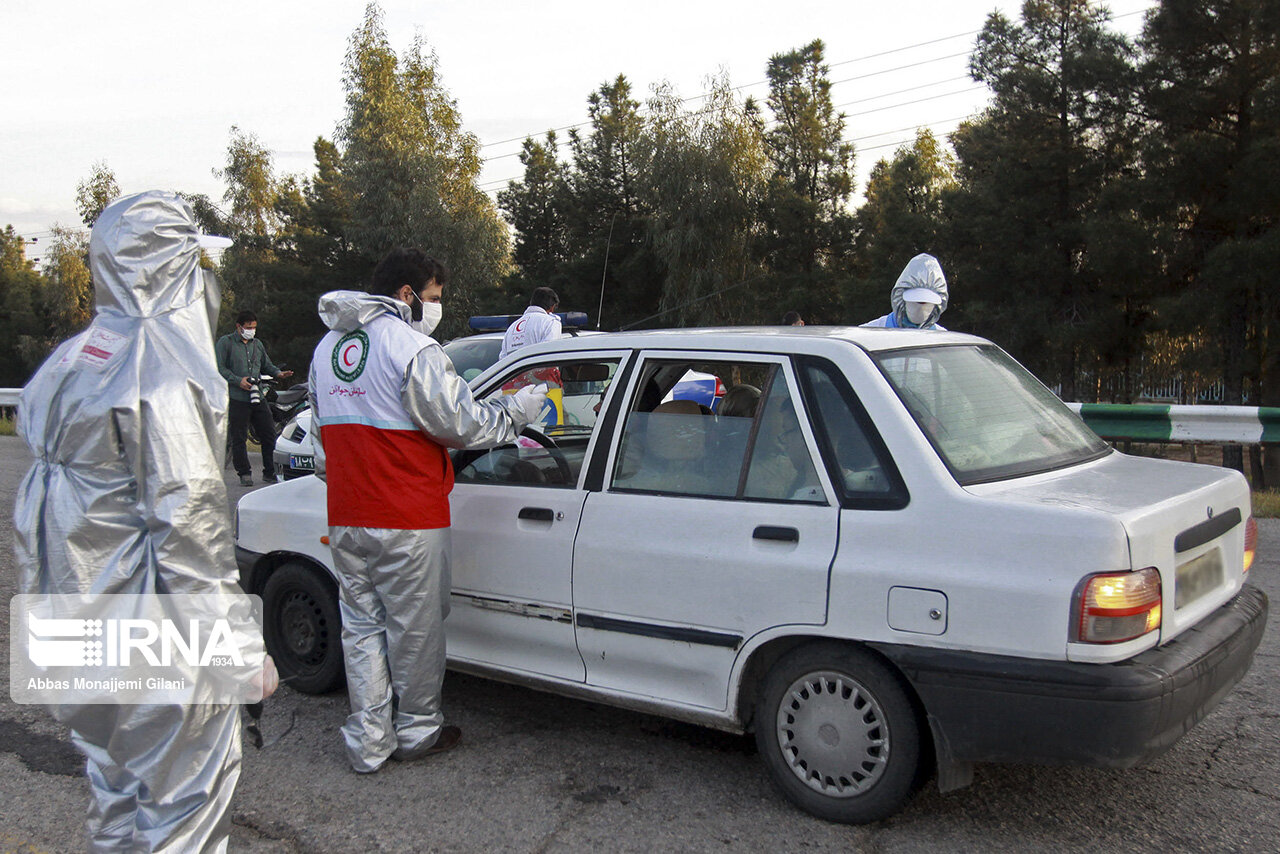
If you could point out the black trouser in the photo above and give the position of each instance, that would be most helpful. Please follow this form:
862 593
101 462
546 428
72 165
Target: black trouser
239 414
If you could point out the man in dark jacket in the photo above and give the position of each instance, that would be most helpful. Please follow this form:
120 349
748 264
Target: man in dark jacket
242 359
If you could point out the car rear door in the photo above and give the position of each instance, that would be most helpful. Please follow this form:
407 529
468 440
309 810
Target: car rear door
708 529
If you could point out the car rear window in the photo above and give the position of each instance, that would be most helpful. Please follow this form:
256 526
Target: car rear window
986 415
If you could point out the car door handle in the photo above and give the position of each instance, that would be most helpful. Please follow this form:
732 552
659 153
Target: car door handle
773 532
537 514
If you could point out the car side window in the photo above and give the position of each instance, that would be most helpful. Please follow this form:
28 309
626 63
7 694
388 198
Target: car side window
781 465
858 460
714 430
552 450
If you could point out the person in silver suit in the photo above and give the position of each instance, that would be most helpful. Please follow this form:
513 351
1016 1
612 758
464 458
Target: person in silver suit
126 422
389 405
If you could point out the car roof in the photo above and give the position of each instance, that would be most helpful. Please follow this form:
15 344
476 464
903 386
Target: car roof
759 338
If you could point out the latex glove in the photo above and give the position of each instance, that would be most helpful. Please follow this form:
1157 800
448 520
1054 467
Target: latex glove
530 400
270 677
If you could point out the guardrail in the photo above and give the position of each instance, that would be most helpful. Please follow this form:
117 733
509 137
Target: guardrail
1139 422
1215 425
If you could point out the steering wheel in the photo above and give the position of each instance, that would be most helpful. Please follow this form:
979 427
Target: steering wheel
548 444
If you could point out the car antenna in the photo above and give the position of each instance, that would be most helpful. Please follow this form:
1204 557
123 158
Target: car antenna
605 270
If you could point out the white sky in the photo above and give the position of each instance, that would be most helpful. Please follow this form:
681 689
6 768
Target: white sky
153 88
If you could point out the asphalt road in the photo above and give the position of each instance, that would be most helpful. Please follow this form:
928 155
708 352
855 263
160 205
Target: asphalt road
540 773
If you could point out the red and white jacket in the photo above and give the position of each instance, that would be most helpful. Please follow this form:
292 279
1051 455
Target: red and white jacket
388 402
534 326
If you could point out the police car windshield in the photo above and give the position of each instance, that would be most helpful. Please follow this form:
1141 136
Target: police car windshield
473 356
988 418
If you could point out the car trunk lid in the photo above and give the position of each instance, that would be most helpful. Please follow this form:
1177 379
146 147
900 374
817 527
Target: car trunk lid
1186 520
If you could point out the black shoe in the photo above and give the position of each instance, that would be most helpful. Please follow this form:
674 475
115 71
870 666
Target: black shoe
246 480
447 740
269 478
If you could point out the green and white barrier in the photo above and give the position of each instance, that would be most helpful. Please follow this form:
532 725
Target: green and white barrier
1148 422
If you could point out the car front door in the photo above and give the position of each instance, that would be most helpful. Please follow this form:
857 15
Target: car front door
711 526
515 514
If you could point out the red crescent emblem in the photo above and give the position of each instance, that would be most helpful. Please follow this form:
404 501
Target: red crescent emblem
346 360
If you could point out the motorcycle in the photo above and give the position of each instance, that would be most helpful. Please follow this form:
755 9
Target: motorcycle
284 405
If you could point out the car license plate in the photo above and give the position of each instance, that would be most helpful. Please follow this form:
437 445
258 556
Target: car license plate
1197 577
302 461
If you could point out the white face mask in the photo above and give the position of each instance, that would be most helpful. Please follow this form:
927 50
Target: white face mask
918 312
247 334
431 313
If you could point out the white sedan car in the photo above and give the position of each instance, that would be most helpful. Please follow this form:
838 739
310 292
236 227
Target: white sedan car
886 552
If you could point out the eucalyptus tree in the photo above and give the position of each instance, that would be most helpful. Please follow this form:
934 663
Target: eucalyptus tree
66 299
249 268
410 170
96 192
808 227
251 187
703 172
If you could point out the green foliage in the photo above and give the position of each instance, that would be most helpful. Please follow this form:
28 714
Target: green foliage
702 179
67 299
1113 218
96 192
1212 89
409 170
1033 170
901 217
20 290
251 187
607 219
807 229
536 208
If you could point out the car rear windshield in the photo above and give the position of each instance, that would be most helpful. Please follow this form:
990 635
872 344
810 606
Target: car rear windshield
986 415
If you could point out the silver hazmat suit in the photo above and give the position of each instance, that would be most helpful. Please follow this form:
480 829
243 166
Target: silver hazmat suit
922 271
127 423
384 432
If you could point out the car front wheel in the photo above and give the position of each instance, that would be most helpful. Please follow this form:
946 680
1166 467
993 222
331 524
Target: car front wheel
302 628
838 733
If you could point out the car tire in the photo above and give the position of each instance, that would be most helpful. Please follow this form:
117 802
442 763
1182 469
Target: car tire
838 733
302 628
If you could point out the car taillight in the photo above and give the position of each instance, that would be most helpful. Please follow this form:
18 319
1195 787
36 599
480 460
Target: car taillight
1250 542
1119 606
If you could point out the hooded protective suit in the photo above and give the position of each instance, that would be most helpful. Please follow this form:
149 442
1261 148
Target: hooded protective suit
922 271
127 422
388 402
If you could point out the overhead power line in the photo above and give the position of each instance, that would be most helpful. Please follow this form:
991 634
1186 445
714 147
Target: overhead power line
752 85
495 185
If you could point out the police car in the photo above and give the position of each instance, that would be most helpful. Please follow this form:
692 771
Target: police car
921 559
295 452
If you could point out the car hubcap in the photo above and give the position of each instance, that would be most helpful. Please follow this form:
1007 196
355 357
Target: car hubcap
833 734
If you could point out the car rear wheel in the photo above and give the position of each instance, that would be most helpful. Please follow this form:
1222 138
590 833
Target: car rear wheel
838 733
302 628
